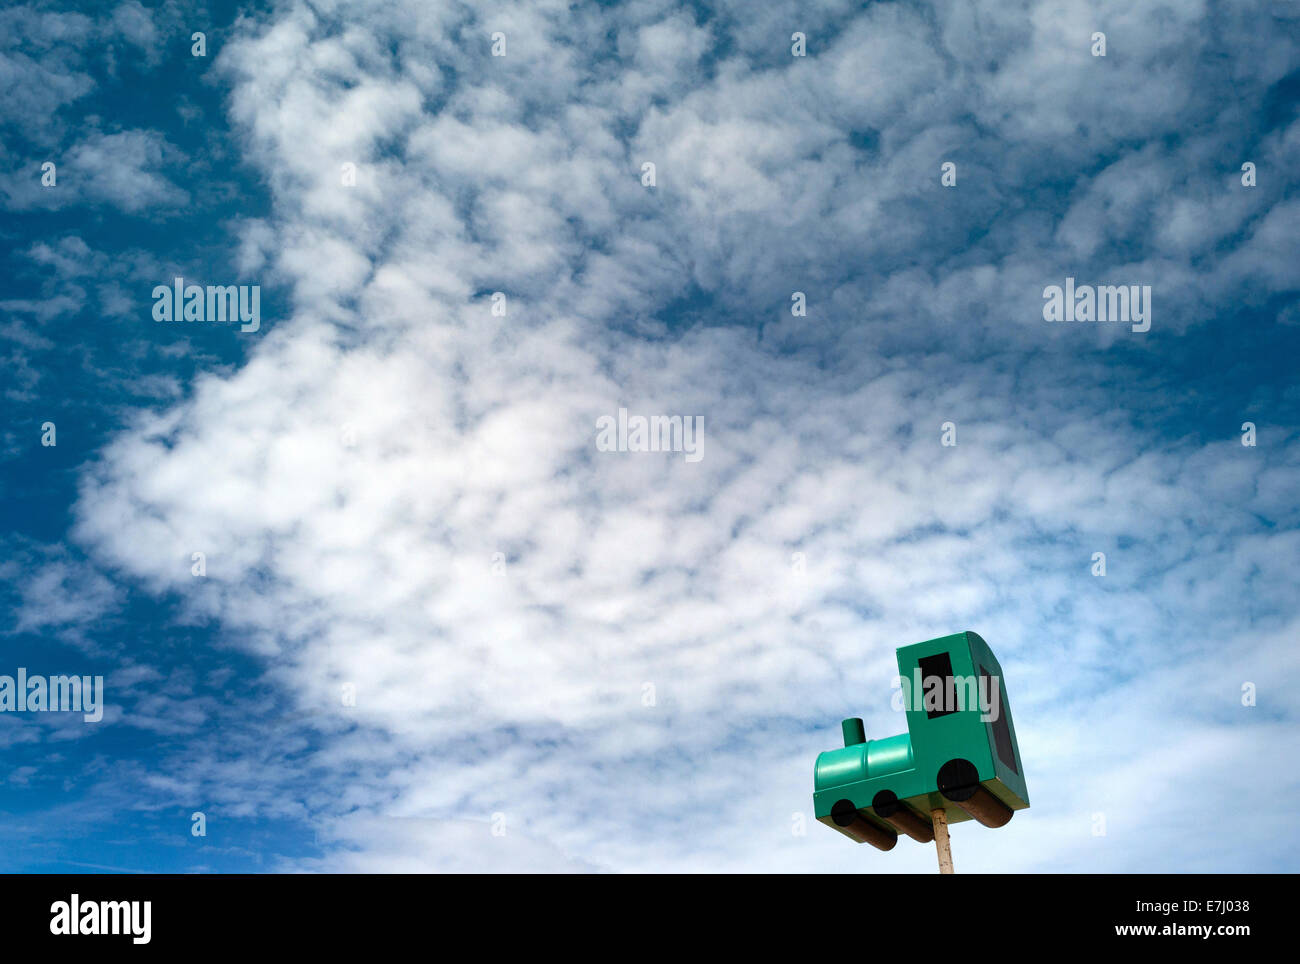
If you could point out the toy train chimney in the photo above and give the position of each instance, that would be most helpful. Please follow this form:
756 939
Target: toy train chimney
854 732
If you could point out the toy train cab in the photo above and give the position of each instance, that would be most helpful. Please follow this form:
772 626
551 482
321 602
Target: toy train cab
959 751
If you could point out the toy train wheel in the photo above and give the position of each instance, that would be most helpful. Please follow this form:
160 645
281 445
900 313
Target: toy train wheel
845 815
901 817
959 782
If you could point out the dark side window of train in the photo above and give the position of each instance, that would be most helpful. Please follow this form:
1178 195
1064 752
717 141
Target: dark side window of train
1001 729
939 665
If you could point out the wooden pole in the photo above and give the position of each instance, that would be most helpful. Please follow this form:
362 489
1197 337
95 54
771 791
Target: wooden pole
941 843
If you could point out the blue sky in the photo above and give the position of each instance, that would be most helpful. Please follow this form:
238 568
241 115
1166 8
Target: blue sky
398 492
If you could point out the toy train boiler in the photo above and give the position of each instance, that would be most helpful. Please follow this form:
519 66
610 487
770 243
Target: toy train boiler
954 755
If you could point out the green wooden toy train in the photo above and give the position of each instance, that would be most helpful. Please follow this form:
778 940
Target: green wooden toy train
959 752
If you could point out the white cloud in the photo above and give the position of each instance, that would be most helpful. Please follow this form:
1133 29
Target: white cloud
371 562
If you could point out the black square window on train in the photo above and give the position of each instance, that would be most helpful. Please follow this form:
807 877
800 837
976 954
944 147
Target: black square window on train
936 672
1001 729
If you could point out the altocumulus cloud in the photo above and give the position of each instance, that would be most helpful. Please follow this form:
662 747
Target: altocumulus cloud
398 494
